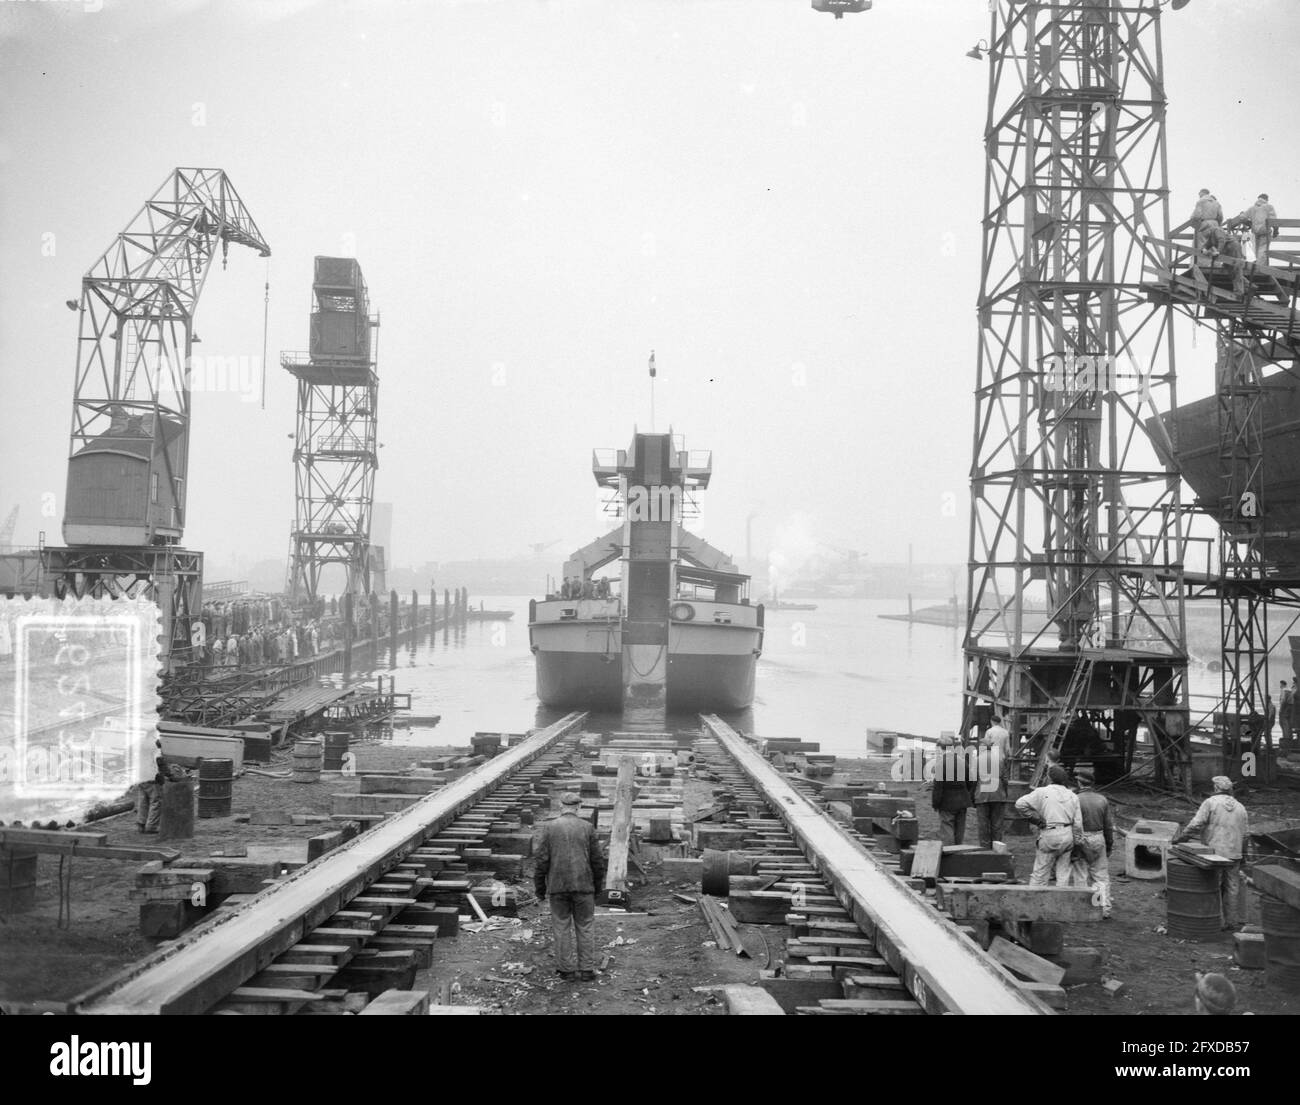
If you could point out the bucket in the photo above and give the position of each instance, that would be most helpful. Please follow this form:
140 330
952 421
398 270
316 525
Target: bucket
1281 925
216 784
335 748
1192 901
17 880
307 758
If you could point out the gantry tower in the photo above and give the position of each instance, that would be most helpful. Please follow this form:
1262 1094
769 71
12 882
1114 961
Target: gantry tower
1076 618
335 449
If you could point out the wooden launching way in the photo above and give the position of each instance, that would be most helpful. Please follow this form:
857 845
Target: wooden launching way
936 964
212 963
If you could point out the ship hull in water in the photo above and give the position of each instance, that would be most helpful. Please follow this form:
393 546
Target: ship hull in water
710 667
583 680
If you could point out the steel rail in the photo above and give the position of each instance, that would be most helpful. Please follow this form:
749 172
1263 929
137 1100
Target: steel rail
941 968
201 967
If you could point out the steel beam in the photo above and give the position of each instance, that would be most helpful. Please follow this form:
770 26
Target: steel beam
941 968
196 971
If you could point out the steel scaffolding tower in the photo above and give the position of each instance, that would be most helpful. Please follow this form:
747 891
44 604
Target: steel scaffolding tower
335 451
1076 626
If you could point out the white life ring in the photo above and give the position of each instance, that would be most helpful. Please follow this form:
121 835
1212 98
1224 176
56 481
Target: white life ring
682 611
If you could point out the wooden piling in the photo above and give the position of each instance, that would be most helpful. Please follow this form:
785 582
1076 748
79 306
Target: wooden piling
620 834
392 627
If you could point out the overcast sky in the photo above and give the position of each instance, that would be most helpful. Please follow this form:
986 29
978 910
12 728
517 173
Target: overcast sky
784 206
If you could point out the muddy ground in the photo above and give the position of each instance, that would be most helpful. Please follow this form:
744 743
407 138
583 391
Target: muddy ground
659 959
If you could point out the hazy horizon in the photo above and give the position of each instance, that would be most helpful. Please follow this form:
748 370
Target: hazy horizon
785 207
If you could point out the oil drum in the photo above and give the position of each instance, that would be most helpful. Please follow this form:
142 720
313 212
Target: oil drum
718 868
216 784
1281 925
1192 901
307 757
335 748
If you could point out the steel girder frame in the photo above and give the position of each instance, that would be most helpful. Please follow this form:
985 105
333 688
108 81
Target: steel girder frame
136 318
1244 592
1067 488
170 577
336 454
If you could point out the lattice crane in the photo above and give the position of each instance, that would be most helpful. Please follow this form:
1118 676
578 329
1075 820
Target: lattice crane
131 400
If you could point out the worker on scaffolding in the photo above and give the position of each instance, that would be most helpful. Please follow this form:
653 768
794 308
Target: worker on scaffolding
1055 810
568 868
1222 822
1090 865
1206 216
1262 220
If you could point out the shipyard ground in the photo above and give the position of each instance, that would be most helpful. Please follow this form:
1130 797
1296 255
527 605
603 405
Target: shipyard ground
658 960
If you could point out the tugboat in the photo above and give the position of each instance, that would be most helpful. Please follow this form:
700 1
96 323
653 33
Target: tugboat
648 615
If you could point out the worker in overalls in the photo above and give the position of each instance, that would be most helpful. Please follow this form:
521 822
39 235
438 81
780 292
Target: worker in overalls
568 869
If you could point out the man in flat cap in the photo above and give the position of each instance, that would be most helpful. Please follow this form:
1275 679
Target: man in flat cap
1215 996
569 868
1091 862
1222 823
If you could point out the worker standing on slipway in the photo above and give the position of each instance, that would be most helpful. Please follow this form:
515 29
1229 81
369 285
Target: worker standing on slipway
1091 864
568 868
1224 822
1055 809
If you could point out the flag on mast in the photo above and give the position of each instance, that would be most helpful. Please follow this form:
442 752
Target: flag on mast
652 363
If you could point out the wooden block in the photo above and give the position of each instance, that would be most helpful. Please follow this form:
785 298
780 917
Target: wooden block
1025 903
874 987
162 920
1114 987
676 870
758 907
270 817
806 971
882 1007
1023 962
398 1003
750 1001
399 784
972 863
1248 950
1040 937
1081 965
318 845
1277 882
1052 996
927 857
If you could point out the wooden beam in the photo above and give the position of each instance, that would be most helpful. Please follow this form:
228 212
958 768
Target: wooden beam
620 834
1023 962
991 901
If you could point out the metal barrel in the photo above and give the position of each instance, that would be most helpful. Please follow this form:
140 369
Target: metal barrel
1281 925
335 748
1192 901
718 868
216 785
307 758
